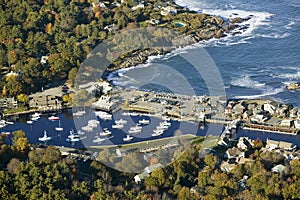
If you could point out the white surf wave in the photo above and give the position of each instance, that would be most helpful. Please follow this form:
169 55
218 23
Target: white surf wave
270 92
290 76
247 82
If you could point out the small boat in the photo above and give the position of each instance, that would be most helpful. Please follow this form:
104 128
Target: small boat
35 118
87 128
5 133
136 127
126 114
80 132
78 114
72 137
98 139
103 115
134 131
53 118
127 138
36 115
92 125
29 122
59 128
106 132
45 137
121 121
144 121
93 121
117 126
165 123
157 132
10 123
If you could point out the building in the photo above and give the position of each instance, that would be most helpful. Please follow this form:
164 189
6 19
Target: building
286 123
244 143
234 153
168 10
104 103
278 169
46 102
271 107
273 144
8 103
138 178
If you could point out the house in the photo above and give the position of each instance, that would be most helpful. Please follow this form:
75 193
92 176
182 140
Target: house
287 146
286 123
273 144
278 169
271 107
224 142
140 5
227 167
46 102
44 59
8 103
111 28
11 73
104 103
138 178
244 143
234 153
105 87
168 10
297 124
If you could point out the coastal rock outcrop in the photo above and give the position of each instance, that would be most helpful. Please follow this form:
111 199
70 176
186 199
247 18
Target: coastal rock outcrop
293 86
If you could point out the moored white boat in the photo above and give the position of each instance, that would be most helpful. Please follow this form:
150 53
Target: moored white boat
121 121
87 128
59 128
144 121
80 132
29 122
106 132
135 131
45 137
127 138
98 139
157 132
53 118
117 126
72 137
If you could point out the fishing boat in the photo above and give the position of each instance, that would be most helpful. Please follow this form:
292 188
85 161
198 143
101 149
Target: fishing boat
92 125
103 115
10 123
59 128
165 123
72 137
45 137
121 121
127 138
53 118
117 126
106 132
144 121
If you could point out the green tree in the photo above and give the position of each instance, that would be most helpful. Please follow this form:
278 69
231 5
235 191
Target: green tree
51 155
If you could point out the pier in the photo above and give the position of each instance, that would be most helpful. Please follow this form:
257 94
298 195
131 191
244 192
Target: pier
274 129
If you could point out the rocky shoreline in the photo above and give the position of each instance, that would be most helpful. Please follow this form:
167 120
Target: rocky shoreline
215 27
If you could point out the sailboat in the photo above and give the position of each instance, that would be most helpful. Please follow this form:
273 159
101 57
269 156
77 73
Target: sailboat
45 137
59 128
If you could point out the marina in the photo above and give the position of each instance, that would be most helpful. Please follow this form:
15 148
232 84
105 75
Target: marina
157 128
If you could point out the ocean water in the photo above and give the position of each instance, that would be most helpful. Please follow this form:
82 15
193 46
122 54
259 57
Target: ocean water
258 62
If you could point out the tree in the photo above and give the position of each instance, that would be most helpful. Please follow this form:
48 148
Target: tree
12 166
23 98
72 76
12 87
210 160
51 155
185 194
